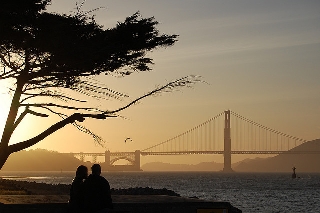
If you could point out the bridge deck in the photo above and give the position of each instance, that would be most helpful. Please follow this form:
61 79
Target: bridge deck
196 152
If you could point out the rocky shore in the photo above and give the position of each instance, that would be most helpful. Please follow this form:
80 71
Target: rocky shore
13 187
32 197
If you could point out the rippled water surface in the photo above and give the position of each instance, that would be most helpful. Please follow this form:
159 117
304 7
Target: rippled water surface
250 192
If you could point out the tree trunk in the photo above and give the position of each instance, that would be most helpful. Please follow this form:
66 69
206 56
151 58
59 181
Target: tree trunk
9 126
5 151
3 157
8 129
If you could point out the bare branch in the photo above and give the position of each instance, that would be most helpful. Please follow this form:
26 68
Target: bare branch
42 86
49 94
6 63
20 118
62 106
25 144
71 119
97 90
99 140
185 81
54 112
31 96
37 113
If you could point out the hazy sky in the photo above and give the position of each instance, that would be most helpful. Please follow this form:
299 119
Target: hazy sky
261 59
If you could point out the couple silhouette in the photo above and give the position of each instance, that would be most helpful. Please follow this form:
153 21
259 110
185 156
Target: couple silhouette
90 194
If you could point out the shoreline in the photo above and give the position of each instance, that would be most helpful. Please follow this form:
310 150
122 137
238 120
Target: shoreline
23 196
13 191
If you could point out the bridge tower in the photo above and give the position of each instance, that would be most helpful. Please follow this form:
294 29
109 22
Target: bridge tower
107 157
137 160
227 142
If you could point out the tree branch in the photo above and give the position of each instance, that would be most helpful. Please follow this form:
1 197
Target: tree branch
37 114
54 112
6 63
62 106
25 144
74 117
177 83
20 118
49 95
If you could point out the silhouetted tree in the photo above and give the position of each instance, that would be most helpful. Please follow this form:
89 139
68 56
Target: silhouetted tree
47 53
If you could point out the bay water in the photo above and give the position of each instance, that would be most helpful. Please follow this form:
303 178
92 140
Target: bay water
250 192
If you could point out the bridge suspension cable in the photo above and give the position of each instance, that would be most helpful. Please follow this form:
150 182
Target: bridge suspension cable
250 135
197 138
247 136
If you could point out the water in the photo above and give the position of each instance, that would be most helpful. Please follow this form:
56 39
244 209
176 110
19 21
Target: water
250 192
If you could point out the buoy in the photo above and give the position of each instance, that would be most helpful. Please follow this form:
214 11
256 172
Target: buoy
294 172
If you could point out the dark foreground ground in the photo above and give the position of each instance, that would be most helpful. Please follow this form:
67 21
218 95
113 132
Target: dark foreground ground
26 197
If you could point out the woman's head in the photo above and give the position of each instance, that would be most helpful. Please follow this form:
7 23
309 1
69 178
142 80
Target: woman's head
82 172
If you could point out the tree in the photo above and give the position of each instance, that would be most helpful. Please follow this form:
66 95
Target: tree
48 54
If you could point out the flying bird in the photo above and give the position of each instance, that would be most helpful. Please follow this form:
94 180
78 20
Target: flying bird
127 139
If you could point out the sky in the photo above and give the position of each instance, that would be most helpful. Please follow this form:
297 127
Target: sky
260 59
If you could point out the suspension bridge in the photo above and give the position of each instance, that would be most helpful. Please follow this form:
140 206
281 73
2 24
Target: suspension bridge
228 133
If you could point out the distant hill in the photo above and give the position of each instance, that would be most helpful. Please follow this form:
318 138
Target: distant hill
284 162
41 160
204 166
44 160
279 163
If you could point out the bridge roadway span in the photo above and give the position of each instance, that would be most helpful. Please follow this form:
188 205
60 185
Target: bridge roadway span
134 157
102 154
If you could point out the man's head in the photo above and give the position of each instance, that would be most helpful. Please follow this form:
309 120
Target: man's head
96 169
